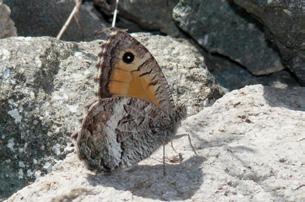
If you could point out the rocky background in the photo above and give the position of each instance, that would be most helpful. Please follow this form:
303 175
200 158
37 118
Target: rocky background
7 27
251 141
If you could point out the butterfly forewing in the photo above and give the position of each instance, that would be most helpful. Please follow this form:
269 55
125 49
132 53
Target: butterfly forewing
128 69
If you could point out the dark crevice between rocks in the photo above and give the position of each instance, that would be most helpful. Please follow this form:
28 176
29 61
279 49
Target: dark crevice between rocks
207 55
288 53
210 56
227 58
204 51
286 45
242 13
294 76
284 76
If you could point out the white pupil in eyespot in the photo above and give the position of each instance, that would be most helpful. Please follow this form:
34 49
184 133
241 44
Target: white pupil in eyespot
128 57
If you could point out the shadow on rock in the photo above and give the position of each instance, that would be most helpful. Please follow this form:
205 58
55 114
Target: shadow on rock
180 182
215 142
290 98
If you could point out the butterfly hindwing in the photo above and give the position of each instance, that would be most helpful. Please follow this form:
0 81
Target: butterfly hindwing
120 131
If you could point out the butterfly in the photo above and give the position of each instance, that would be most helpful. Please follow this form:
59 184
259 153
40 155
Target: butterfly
134 114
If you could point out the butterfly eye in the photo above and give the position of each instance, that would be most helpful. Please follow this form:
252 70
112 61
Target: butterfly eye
128 57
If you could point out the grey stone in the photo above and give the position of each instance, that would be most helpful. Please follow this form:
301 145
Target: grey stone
232 76
285 25
7 26
155 15
223 28
46 18
45 85
185 69
250 147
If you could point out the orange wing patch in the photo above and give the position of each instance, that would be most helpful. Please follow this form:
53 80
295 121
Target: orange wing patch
132 84
127 80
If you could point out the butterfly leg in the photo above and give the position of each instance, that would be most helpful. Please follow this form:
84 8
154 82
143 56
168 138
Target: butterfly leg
90 103
172 145
164 172
178 158
73 137
190 141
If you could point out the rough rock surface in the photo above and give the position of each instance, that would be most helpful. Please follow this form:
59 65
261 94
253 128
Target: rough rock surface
284 22
148 14
232 76
45 85
7 26
250 146
46 18
223 28
181 63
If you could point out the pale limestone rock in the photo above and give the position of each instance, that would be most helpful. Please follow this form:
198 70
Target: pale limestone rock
251 147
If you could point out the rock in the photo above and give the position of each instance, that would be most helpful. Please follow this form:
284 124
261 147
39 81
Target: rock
7 26
46 18
185 69
154 15
232 76
222 28
250 147
285 25
45 85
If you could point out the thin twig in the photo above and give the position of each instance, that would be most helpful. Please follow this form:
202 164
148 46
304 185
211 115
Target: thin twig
115 13
74 11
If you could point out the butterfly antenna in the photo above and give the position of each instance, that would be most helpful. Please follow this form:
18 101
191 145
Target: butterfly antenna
115 13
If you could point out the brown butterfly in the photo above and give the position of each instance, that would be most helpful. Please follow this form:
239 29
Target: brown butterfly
135 113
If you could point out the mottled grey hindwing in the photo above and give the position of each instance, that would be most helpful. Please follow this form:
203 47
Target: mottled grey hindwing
120 131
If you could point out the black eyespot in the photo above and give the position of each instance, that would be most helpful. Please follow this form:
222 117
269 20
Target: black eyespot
128 57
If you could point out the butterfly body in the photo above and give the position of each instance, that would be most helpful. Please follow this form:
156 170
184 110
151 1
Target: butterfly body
134 114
